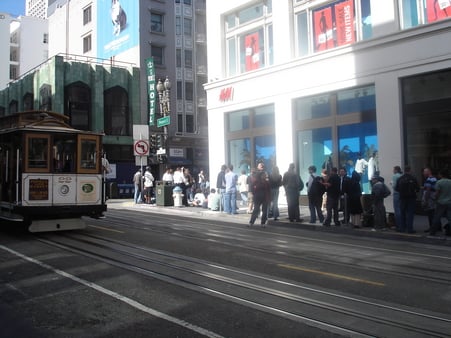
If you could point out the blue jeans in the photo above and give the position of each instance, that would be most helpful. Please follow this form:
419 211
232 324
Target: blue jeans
137 196
407 206
274 209
230 202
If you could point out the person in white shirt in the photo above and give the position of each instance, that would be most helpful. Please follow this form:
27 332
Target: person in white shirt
148 185
168 177
360 165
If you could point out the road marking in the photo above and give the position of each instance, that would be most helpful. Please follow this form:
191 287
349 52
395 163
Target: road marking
117 296
107 229
329 274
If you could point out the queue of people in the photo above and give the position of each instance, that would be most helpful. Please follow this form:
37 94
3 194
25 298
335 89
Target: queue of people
329 193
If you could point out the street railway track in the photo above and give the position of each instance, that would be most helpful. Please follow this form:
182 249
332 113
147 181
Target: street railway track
149 225
349 316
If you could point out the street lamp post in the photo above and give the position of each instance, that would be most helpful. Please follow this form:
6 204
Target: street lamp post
164 91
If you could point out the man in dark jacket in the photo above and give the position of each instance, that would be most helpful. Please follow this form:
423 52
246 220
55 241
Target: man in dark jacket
292 184
408 187
333 197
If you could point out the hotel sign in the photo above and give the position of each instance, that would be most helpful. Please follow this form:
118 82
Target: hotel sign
151 90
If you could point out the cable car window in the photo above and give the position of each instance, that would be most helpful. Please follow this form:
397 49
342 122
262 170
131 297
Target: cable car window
64 153
37 153
88 154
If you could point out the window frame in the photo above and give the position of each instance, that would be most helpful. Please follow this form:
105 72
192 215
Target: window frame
87 43
159 23
46 161
87 15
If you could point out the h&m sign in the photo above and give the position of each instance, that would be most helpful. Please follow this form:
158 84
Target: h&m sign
226 94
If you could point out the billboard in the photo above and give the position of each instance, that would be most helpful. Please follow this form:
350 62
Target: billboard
117 26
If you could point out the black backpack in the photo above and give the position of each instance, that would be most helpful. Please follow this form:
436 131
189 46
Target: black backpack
407 186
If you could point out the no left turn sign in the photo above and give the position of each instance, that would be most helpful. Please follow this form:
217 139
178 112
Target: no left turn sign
141 148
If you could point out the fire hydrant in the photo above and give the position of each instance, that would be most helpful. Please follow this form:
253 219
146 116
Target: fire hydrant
177 195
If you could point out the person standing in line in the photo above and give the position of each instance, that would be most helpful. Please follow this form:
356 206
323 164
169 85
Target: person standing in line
250 193
354 203
275 182
243 187
220 185
261 194
201 181
137 181
148 185
168 177
372 167
333 197
230 191
408 187
428 195
379 192
315 191
443 206
293 184
344 194
397 172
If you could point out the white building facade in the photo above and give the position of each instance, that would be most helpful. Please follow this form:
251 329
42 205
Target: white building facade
317 82
26 46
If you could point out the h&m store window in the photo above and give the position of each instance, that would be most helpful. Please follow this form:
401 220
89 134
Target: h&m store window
420 12
427 120
249 38
334 24
332 129
250 138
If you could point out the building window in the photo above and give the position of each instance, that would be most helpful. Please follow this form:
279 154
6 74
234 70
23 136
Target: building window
339 23
87 44
426 110
189 91
187 27
251 137
189 120
87 15
45 38
187 2
156 22
178 58
28 101
333 128
419 12
157 54
188 58
178 25
249 38
116 112
179 90
77 100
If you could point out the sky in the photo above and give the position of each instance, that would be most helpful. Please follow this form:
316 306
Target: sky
13 7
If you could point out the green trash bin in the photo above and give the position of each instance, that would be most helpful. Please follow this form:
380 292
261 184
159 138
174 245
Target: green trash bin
163 193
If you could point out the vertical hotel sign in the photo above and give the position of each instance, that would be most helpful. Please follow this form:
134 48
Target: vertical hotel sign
151 92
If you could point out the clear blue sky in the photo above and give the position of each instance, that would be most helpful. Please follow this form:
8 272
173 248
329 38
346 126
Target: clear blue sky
13 7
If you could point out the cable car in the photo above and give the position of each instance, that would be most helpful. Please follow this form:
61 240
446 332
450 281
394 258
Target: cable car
51 175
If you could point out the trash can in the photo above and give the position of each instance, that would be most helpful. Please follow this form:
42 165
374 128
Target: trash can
112 190
163 193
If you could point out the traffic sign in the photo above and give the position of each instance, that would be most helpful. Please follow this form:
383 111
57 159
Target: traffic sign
164 121
141 148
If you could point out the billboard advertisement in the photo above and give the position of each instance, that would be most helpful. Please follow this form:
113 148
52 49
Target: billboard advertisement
117 26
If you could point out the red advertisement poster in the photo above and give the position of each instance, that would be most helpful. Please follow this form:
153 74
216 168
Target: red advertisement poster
344 20
324 38
252 51
438 9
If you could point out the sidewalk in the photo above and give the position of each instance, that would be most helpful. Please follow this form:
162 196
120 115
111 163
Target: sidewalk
420 222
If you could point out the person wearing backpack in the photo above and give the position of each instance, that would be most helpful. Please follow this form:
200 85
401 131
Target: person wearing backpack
407 186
